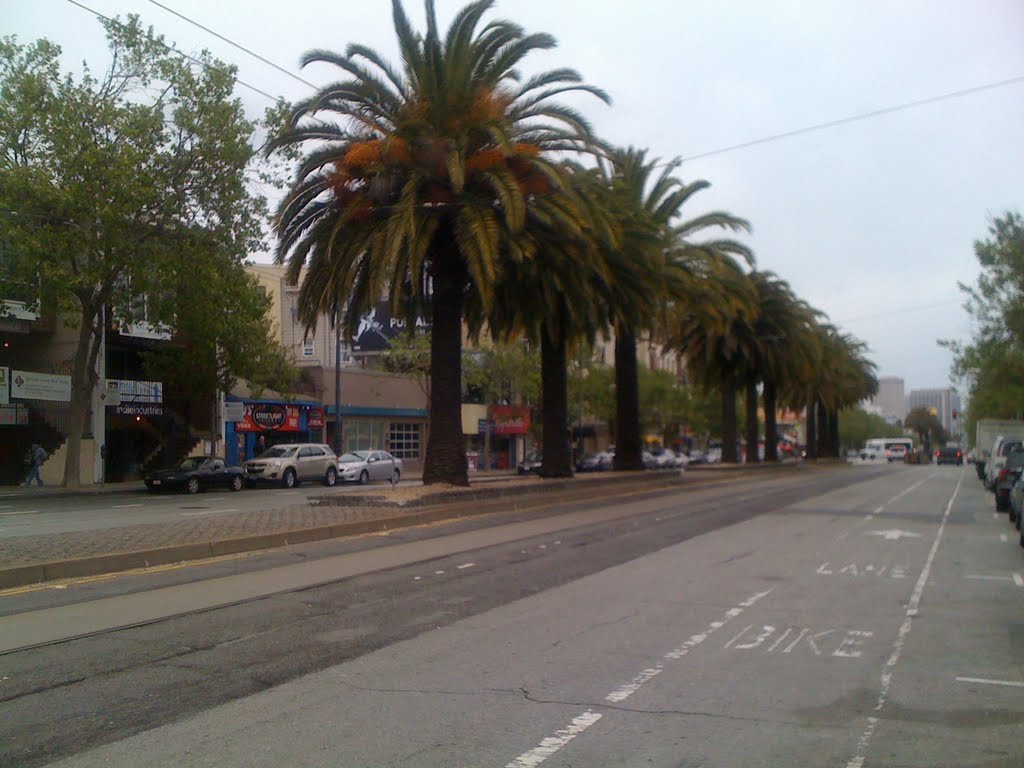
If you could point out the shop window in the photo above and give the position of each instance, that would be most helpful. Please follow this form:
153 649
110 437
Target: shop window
363 435
404 440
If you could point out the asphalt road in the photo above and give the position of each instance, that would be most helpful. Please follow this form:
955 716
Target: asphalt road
852 617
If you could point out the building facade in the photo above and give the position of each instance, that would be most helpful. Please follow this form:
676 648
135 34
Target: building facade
946 405
891 401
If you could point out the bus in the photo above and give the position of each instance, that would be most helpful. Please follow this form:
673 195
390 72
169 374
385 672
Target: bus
888 448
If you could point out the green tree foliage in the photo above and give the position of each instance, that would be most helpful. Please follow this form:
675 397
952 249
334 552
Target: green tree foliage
926 426
503 373
417 181
127 184
992 363
857 426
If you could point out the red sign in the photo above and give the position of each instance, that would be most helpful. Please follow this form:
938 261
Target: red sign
316 418
510 419
267 417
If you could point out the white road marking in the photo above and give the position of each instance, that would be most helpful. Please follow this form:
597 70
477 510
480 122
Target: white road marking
207 512
464 566
416 578
552 744
20 512
438 573
894 534
1002 538
125 506
864 743
1018 580
983 577
985 681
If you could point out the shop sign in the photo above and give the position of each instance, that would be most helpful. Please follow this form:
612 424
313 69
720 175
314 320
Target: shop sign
234 411
269 417
32 385
510 419
140 409
5 385
316 418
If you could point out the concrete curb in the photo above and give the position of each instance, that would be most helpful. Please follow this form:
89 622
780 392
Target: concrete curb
445 505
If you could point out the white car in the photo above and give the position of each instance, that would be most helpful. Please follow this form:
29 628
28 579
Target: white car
289 464
363 466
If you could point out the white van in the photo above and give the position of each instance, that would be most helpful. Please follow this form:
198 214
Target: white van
889 448
997 459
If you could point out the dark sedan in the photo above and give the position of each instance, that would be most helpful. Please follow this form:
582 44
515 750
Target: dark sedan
195 474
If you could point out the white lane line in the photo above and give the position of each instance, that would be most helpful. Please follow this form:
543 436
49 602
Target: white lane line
580 723
864 743
438 573
552 744
125 506
983 577
416 578
986 681
1003 538
207 512
464 566
1018 580
20 512
634 685
995 515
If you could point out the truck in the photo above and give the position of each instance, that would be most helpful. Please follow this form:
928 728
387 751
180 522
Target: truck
985 435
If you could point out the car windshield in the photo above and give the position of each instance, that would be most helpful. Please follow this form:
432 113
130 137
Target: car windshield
278 452
354 456
191 463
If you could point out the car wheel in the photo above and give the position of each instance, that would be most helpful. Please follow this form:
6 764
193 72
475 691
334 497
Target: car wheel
331 478
193 485
395 477
364 477
237 483
288 479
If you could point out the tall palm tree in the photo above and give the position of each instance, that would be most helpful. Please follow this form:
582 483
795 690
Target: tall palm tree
416 179
649 202
555 292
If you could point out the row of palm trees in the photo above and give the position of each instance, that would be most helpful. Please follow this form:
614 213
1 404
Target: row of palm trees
470 195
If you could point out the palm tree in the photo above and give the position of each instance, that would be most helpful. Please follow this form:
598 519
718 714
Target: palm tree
415 180
654 243
555 293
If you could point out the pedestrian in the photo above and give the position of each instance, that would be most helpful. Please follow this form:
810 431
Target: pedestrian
261 444
36 456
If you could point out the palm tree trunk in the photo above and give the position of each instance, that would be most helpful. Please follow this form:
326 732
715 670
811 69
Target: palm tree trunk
812 429
555 402
833 424
753 455
628 446
823 438
729 420
445 460
771 431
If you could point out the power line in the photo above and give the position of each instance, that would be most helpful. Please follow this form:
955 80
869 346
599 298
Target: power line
174 50
219 36
855 118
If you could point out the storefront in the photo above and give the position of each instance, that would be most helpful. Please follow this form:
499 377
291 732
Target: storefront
400 431
276 422
509 428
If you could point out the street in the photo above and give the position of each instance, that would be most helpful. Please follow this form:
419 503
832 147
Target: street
830 616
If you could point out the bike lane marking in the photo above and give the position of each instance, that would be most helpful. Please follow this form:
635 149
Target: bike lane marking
864 743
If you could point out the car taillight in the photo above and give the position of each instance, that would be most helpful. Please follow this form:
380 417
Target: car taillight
1003 473
937 454
958 454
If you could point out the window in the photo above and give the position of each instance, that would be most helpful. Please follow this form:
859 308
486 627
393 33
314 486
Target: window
404 440
307 347
363 435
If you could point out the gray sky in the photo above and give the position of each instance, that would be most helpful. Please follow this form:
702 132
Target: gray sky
872 221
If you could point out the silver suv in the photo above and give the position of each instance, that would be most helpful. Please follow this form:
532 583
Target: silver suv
290 464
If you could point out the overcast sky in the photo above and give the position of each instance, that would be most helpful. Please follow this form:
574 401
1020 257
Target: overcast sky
871 221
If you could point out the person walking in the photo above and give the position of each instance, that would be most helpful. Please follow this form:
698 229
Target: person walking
36 456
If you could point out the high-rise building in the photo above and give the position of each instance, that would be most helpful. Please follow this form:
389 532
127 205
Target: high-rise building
890 402
946 403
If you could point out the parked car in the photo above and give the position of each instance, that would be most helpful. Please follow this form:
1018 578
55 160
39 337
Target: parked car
195 474
363 466
997 458
531 463
590 462
949 455
1008 475
665 459
895 453
649 460
1017 504
291 464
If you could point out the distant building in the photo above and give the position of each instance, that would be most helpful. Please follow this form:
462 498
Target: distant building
946 403
890 403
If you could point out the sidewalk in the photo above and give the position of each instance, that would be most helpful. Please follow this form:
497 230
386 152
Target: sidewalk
36 558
